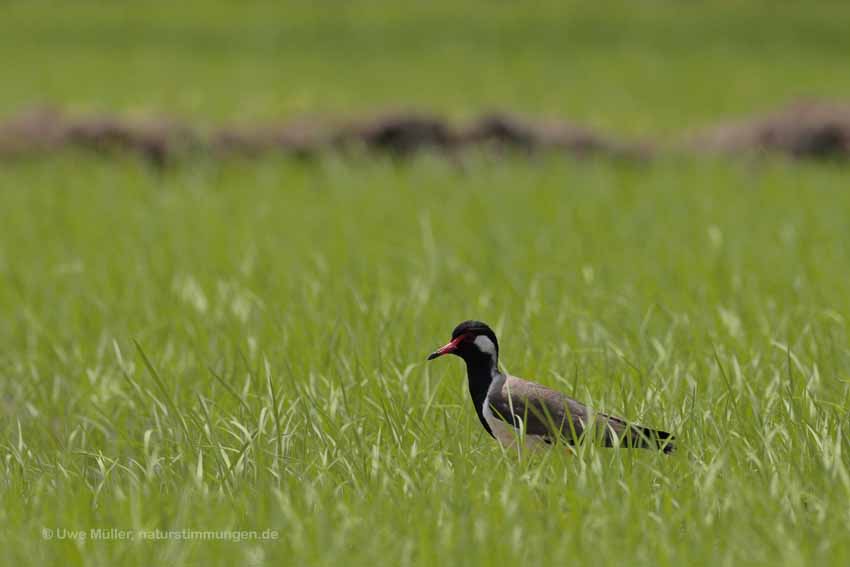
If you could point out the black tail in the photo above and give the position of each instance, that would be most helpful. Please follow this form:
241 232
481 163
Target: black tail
618 433
639 437
656 439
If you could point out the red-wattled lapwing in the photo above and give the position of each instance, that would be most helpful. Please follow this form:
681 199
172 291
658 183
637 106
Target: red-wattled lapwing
509 406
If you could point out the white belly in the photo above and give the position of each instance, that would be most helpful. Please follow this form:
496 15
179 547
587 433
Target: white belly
507 434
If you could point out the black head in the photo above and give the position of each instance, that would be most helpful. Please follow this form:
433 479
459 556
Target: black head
471 340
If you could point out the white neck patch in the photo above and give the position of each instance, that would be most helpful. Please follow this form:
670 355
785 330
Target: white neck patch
485 345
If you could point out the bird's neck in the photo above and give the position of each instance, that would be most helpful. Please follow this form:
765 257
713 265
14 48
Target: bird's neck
481 371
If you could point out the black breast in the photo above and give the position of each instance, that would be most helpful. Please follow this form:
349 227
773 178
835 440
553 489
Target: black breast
479 374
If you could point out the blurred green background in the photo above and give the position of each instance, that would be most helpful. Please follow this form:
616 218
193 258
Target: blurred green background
651 66
239 344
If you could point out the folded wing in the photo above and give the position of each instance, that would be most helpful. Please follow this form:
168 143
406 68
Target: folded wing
554 417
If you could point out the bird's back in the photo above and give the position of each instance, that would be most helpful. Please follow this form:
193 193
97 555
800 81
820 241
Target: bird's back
553 416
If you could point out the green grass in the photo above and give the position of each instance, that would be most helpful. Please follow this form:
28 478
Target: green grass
649 67
241 345
283 312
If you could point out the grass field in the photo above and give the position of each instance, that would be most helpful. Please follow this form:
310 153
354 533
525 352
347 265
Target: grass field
651 67
240 345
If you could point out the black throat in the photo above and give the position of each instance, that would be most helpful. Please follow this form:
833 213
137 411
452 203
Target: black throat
479 372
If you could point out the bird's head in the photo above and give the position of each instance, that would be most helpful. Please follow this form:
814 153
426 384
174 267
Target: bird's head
472 341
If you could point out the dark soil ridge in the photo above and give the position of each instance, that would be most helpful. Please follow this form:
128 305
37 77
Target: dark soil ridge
807 129
804 129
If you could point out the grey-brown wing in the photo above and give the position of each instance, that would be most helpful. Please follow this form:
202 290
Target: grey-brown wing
552 415
540 410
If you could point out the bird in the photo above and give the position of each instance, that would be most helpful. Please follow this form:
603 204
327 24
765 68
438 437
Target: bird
514 410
